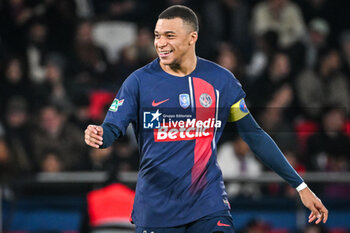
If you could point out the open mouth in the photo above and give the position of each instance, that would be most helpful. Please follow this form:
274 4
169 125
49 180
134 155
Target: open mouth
165 53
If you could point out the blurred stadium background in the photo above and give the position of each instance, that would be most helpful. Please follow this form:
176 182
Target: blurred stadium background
62 62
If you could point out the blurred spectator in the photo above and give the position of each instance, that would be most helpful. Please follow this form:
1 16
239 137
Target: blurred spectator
333 12
227 20
345 49
126 64
124 10
315 41
314 9
144 46
13 82
6 169
257 226
133 56
61 19
127 157
51 161
2 50
53 88
338 190
272 99
236 159
231 60
36 51
99 160
81 112
55 133
281 16
273 121
330 145
273 89
89 62
315 228
15 16
323 86
266 46
18 132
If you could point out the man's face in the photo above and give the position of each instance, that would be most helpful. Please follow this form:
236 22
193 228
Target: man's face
172 40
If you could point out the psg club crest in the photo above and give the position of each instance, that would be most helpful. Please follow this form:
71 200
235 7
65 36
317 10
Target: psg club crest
184 100
243 106
205 100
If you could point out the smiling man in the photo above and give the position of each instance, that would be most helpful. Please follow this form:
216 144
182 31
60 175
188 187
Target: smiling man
178 105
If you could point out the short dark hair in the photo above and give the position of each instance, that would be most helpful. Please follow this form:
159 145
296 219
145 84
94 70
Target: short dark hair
183 12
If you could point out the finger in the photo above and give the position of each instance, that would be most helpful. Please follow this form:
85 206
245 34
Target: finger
325 217
311 214
319 219
95 141
322 209
91 141
312 219
325 214
93 129
99 130
97 137
315 212
94 145
89 134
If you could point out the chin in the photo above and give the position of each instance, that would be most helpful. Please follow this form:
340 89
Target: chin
166 62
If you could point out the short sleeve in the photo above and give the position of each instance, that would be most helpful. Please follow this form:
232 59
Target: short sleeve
124 108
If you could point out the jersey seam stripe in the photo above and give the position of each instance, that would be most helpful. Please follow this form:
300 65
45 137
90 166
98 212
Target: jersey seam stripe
216 116
191 92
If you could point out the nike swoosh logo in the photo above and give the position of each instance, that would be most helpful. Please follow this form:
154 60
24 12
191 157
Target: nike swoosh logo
154 104
220 224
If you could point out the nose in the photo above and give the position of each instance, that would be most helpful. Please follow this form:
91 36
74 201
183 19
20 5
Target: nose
162 42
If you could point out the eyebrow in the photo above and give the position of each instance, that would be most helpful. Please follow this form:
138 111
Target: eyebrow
166 32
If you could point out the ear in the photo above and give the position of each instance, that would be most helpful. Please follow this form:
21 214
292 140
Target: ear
193 38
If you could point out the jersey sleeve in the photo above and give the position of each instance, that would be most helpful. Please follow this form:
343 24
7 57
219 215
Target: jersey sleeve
234 90
238 111
124 108
266 150
235 99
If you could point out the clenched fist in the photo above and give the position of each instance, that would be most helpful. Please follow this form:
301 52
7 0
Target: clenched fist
93 136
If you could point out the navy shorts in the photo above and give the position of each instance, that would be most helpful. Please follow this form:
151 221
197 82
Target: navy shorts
218 222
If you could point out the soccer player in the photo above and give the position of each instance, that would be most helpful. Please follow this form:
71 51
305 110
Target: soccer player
178 105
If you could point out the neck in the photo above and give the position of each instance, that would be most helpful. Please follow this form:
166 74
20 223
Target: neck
182 68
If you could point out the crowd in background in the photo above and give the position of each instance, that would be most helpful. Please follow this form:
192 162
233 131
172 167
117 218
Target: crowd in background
292 58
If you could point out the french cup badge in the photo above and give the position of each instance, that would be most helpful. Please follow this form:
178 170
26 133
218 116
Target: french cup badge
184 100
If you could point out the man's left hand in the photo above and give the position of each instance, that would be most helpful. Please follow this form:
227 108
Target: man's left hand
313 203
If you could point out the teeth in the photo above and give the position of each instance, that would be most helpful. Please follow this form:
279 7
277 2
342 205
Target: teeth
167 52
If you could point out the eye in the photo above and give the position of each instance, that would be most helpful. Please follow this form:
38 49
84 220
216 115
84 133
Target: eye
157 36
171 36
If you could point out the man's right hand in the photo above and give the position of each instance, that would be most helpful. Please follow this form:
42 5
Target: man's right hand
93 136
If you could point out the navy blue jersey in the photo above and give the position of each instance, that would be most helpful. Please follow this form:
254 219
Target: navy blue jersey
178 122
